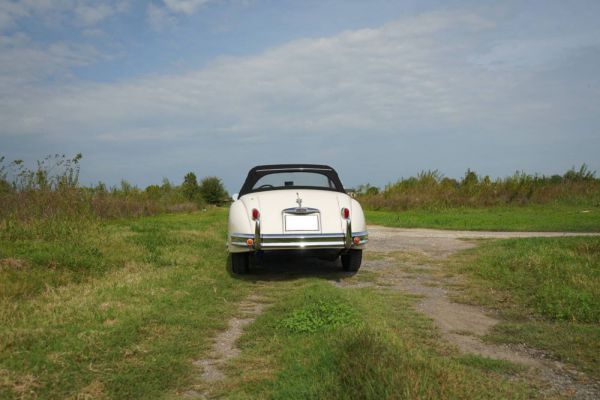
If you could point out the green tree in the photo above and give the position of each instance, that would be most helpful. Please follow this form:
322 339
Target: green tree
4 184
470 179
126 188
190 186
373 190
166 186
212 190
153 191
583 174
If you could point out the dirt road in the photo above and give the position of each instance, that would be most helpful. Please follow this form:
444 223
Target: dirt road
408 260
441 243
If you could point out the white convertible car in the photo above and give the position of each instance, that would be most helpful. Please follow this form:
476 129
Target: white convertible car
295 207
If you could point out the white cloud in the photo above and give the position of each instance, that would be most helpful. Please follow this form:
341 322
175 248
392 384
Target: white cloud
159 18
533 53
406 89
86 12
397 76
91 14
185 6
9 12
23 63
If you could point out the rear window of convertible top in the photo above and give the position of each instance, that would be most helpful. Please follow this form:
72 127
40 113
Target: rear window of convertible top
293 179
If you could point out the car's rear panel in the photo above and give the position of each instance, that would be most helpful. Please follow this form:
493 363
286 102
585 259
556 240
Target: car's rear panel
296 219
278 216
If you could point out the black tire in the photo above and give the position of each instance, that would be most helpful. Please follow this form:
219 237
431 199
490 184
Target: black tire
240 263
351 260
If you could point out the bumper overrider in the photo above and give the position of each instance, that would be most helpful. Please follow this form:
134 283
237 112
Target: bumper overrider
260 241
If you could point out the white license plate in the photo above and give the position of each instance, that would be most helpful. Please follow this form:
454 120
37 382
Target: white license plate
301 223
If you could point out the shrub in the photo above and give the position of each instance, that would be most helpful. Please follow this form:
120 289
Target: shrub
46 200
190 186
213 191
430 189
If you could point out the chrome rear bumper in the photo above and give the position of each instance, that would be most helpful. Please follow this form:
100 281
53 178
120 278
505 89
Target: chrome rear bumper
299 241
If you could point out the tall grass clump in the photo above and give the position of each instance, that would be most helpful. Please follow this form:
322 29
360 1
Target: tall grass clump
47 201
44 202
558 279
431 189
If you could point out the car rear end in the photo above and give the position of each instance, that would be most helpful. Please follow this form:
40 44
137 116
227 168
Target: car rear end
298 218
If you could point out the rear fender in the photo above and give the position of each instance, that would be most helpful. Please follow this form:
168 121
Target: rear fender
359 224
239 222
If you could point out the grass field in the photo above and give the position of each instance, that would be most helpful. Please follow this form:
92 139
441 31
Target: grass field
121 311
147 296
526 218
548 291
372 345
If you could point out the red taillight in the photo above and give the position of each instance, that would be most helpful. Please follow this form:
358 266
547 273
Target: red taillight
345 213
255 214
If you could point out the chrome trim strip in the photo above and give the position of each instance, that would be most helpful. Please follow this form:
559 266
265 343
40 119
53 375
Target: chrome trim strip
299 241
301 210
301 245
300 235
242 235
297 235
296 245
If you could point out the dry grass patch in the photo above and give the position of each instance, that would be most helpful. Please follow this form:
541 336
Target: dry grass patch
12 263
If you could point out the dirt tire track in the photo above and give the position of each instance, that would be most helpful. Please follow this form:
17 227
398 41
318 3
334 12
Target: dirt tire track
224 347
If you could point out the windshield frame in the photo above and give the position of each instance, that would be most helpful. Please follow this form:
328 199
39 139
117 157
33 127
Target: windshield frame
262 170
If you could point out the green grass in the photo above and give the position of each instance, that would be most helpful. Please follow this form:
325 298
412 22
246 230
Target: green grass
319 315
159 292
575 343
526 218
121 309
490 364
547 288
384 350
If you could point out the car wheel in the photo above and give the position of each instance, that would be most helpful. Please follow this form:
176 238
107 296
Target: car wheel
240 263
351 260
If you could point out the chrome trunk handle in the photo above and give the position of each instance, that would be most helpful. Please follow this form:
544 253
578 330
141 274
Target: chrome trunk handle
301 210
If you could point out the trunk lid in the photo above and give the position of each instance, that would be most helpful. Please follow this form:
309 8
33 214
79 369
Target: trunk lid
272 204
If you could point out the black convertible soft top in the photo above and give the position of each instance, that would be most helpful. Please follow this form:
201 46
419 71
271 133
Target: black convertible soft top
261 170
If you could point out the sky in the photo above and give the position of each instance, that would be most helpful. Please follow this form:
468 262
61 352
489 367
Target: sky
378 89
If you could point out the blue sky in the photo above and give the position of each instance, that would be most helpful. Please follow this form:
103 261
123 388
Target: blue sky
378 89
